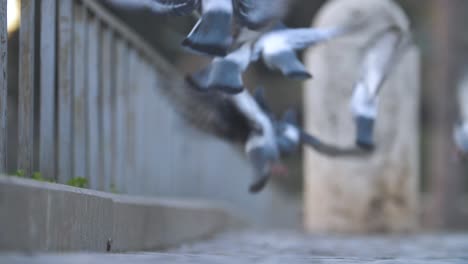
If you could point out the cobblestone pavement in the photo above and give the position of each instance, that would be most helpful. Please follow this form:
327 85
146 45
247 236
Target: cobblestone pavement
286 247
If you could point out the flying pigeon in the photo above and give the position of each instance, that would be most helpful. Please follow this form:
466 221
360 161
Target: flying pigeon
289 136
277 48
224 73
243 120
380 55
460 133
160 7
259 14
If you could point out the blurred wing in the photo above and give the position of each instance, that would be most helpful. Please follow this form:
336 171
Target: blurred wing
460 135
172 7
291 117
241 56
331 150
259 96
380 56
463 99
302 38
256 14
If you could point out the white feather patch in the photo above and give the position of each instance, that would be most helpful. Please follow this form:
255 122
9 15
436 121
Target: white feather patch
362 103
247 105
292 133
217 5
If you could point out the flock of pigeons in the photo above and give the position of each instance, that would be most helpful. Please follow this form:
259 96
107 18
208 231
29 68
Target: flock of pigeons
238 32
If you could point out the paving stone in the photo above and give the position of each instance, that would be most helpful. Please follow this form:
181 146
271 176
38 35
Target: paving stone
271 247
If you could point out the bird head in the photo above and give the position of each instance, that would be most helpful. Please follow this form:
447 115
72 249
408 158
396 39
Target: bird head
265 159
262 147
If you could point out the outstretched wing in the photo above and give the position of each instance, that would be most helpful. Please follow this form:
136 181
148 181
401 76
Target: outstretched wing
302 38
163 7
463 98
460 132
381 54
332 150
256 14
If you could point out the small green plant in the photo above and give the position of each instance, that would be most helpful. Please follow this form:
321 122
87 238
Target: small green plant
38 177
20 173
79 182
113 189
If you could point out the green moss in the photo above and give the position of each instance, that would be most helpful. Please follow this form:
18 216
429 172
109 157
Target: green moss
20 173
38 177
79 182
113 189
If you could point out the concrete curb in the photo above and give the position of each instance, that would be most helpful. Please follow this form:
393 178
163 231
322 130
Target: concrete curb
38 216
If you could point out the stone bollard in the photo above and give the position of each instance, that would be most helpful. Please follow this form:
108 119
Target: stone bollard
378 193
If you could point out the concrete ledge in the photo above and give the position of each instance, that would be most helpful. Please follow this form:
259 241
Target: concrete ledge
37 216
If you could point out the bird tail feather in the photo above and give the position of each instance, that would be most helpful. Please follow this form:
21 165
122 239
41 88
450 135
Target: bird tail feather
211 35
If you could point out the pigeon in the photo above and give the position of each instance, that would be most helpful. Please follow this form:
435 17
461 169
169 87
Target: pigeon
380 55
270 139
175 7
460 135
460 132
212 33
242 120
289 136
277 48
224 73
259 14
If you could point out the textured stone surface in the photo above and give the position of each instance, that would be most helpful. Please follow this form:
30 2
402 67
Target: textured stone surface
37 216
376 193
286 247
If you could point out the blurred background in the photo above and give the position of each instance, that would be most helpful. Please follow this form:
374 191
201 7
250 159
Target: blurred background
438 28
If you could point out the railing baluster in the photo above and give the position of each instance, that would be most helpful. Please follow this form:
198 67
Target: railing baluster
93 123
3 83
65 89
120 112
130 114
47 101
107 85
80 25
26 87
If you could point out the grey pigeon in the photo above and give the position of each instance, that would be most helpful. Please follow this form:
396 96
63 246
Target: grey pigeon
257 14
174 7
380 55
212 33
241 120
277 48
289 136
460 133
224 73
